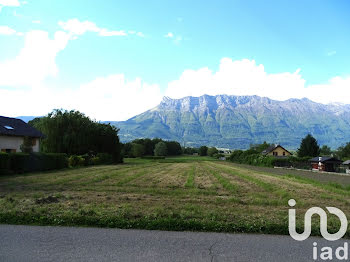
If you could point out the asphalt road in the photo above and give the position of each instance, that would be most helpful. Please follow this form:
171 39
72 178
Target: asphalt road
32 243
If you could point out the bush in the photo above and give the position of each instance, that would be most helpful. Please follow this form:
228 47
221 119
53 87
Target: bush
95 160
105 159
75 161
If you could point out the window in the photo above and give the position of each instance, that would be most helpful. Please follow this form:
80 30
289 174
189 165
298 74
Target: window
9 127
284 153
275 153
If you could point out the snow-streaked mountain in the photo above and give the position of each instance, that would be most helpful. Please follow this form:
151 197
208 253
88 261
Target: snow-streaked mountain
238 121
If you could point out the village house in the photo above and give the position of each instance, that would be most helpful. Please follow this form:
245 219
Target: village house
276 150
12 134
347 164
325 163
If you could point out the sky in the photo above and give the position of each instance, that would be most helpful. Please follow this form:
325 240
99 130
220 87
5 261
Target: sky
115 59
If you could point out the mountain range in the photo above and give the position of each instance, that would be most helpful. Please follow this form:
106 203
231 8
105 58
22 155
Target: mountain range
236 122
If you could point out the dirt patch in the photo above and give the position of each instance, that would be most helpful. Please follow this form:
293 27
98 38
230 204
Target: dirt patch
47 200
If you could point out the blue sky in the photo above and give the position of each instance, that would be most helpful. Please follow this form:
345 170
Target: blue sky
115 59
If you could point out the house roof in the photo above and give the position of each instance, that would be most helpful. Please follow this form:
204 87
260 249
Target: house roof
16 127
273 147
328 159
347 162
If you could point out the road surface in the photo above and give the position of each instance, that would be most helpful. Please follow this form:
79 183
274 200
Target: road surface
34 243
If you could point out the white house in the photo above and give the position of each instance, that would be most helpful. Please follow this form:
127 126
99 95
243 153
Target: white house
12 133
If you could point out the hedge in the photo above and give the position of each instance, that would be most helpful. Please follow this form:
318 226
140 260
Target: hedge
22 163
245 157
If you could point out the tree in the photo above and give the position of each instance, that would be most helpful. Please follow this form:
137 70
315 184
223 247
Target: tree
27 146
147 144
174 148
73 133
137 150
309 147
212 151
325 150
203 151
160 149
260 147
344 151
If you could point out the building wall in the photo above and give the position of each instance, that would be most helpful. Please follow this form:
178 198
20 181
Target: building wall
15 142
279 151
316 167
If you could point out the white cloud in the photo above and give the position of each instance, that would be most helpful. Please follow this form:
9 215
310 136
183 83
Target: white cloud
245 77
175 38
336 90
140 34
9 3
106 98
5 30
169 35
36 21
105 32
76 27
36 60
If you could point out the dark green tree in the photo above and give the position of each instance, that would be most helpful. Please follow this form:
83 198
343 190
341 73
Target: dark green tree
325 150
203 151
258 148
212 151
344 151
309 147
73 133
174 148
137 150
161 149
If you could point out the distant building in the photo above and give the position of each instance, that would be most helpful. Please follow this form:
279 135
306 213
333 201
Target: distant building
225 151
12 133
325 163
276 150
347 164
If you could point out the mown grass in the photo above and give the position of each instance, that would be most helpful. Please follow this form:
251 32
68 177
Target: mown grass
184 193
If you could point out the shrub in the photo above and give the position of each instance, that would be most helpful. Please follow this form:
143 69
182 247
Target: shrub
105 159
95 160
75 161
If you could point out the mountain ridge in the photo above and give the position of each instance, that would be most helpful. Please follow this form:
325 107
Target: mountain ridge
238 121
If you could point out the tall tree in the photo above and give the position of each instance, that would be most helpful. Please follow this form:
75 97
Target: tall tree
325 150
309 147
73 133
212 151
161 149
344 151
174 148
203 151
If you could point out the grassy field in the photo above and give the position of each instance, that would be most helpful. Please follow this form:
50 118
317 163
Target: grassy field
184 193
